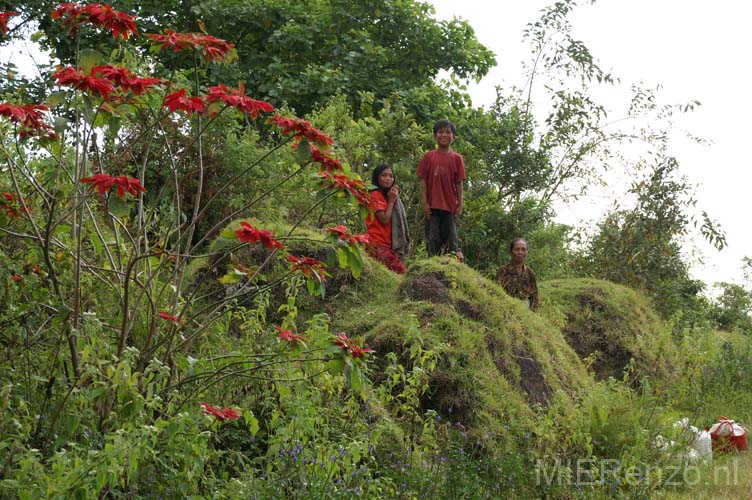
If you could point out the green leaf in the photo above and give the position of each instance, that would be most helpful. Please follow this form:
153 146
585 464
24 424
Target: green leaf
253 423
89 58
171 430
97 244
60 124
118 206
229 234
229 278
114 125
335 366
303 154
55 98
342 256
214 108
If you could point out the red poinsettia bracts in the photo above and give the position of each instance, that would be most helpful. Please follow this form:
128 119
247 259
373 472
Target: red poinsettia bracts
179 100
12 207
169 317
344 235
220 413
126 80
72 77
30 117
104 183
328 164
301 129
290 337
99 15
307 266
351 187
237 99
210 47
252 235
4 18
350 347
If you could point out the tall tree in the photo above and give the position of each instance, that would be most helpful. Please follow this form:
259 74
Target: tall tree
302 52
642 247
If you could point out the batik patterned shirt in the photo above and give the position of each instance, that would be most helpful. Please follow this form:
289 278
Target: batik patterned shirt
519 284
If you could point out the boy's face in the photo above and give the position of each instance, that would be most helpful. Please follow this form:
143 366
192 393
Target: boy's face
444 136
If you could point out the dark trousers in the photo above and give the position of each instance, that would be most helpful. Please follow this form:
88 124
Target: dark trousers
441 230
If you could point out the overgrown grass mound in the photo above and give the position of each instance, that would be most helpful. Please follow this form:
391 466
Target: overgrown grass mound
490 359
495 357
609 325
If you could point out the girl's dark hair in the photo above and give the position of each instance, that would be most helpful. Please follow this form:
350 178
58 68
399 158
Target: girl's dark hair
441 124
511 244
375 178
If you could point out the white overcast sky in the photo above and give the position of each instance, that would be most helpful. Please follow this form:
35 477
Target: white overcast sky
695 50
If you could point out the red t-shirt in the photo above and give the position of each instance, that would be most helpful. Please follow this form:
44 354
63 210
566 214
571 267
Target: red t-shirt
378 234
442 171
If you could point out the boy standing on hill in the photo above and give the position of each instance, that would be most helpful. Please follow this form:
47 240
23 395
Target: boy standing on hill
441 173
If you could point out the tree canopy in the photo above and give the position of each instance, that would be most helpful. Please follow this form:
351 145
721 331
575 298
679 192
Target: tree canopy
301 52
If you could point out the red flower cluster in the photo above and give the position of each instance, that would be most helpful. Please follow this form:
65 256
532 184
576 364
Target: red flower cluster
220 413
30 117
71 77
104 183
327 163
349 346
98 15
307 266
341 232
301 129
16 277
250 234
290 337
237 99
210 47
126 80
4 18
179 100
352 187
10 206
169 317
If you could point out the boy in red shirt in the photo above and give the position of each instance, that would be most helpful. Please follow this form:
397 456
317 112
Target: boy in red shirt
441 173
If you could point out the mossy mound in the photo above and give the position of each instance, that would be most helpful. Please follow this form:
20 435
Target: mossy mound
609 325
496 358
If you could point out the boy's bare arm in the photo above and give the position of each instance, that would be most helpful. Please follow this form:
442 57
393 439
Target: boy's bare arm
424 198
458 211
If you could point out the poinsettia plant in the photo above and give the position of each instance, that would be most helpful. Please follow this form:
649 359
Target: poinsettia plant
105 202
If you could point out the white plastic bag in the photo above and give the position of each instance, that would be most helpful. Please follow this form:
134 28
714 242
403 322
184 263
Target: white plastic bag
701 446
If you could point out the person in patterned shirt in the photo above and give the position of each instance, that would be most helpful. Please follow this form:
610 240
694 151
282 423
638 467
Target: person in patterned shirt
518 279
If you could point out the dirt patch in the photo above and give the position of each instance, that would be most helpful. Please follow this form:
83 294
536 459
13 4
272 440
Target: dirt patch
448 395
469 310
587 336
530 379
431 287
594 299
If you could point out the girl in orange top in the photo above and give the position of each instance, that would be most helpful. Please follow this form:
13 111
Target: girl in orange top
379 220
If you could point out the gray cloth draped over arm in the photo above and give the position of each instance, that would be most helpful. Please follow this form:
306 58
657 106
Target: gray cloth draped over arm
400 230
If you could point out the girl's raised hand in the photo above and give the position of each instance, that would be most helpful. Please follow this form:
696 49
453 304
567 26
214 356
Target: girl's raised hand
393 193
